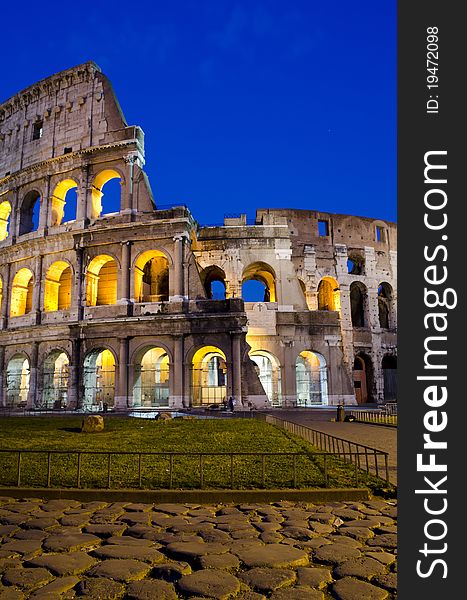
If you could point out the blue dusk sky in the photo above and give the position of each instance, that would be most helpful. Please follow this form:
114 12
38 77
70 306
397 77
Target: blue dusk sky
245 104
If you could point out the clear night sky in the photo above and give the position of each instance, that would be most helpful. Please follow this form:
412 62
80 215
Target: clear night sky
245 104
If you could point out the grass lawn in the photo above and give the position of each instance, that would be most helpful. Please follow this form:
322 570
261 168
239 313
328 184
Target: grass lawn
146 435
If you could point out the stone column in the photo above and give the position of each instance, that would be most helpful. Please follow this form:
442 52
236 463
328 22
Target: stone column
84 192
289 383
33 376
126 266
126 203
44 207
237 370
177 374
121 397
178 290
74 369
2 378
15 216
37 290
6 292
79 282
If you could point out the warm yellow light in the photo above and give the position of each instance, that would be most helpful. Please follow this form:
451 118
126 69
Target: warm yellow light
101 281
57 290
21 293
59 199
96 196
5 211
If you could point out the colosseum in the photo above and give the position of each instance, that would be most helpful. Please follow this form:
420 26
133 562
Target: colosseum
139 305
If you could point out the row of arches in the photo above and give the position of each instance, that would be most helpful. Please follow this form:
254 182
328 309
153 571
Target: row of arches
152 378
63 203
364 378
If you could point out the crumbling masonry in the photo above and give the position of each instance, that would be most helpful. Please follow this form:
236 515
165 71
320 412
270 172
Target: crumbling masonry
142 307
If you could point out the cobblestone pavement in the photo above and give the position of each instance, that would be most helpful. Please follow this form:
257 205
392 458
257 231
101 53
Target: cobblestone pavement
62 549
375 436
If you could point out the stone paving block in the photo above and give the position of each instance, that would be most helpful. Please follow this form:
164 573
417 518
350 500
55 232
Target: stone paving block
354 589
69 543
267 579
138 507
101 588
298 594
106 530
273 555
174 509
10 593
211 583
26 578
171 571
314 577
387 581
24 547
335 553
343 539
9 563
250 596
364 568
56 588
121 569
297 533
150 590
359 533
385 540
384 557
67 563
219 561
143 553
190 550
30 534
6 530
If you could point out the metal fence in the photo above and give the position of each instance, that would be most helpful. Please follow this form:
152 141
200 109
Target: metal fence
374 416
370 460
180 470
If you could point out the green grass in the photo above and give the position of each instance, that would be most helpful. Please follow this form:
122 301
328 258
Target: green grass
147 435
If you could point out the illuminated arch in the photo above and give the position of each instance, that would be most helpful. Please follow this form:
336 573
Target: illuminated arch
101 281
209 376
17 386
311 379
21 293
59 200
328 294
152 378
99 378
269 374
151 277
57 287
97 191
5 212
55 373
262 272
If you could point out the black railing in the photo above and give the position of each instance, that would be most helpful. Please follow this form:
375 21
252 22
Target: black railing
374 416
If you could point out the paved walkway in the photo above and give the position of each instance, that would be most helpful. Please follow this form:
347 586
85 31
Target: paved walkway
64 549
376 436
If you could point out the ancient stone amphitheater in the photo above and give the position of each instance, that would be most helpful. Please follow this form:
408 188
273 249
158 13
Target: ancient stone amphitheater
137 305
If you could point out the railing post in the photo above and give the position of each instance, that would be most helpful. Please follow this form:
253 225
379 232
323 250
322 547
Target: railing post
49 457
171 470
18 472
108 469
139 470
78 476
231 471
263 470
295 470
326 481
201 474
376 464
386 466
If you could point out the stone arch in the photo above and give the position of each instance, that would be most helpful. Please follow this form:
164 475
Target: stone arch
269 372
17 380
29 212
264 273
208 376
385 300
57 286
101 280
363 378
99 378
5 213
55 376
358 304
151 269
328 294
62 194
389 367
209 276
21 293
355 263
97 194
311 379
151 386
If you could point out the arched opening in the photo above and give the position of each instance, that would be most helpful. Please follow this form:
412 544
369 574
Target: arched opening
106 193
101 281
311 379
29 213
5 212
152 277
99 379
17 381
151 387
55 380
57 287
213 279
269 373
358 300
328 294
21 293
209 376
389 366
64 202
355 264
259 283
363 378
384 305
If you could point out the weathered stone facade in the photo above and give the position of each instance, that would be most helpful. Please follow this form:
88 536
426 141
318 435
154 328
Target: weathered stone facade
120 307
